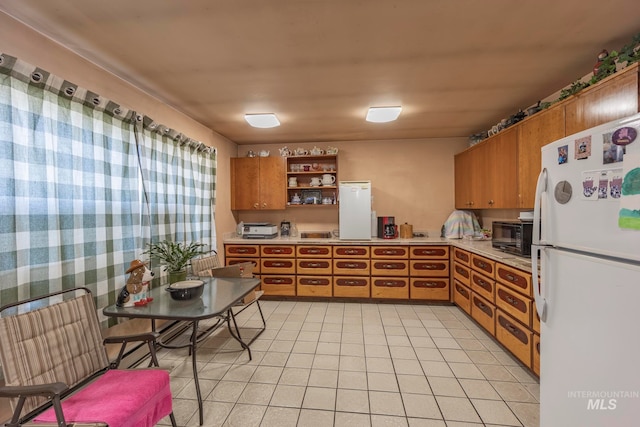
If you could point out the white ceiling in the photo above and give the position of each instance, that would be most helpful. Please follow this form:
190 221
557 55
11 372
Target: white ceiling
456 66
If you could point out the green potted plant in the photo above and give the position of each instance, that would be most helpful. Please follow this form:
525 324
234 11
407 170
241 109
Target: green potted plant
174 256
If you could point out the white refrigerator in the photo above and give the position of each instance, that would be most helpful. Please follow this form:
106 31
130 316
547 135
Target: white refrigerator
586 234
355 210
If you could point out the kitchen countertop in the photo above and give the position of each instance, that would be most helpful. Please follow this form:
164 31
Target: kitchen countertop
480 247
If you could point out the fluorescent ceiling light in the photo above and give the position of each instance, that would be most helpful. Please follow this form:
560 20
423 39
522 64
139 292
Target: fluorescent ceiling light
262 120
383 114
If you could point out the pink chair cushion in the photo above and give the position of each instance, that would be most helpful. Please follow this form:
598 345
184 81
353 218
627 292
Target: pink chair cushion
120 398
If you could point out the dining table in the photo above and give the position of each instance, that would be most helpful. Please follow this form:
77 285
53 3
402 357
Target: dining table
218 298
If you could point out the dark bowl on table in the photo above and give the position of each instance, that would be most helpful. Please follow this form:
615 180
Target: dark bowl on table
186 289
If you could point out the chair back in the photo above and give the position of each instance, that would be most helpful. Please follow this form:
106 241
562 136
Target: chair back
60 342
202 266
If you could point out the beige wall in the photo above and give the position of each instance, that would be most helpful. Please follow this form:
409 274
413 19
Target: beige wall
411 179
20 41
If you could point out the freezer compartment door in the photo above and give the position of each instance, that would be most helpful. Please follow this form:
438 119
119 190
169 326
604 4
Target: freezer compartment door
581 206
590 344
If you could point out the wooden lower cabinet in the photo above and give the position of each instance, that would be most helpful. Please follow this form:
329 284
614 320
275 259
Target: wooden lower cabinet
497 297
314 286
515 337
351 286
314 277
462 296
462 274
430 288
351 272
484 313
483 286
390 287
283 285
518 306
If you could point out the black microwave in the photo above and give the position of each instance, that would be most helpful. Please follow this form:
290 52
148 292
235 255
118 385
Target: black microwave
512 236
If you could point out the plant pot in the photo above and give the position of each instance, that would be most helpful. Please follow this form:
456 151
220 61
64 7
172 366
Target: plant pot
177 276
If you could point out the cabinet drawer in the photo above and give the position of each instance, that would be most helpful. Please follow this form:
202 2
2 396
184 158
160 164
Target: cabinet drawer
515 337
535 363
314 286
484 313
462 296
535 319
462 274
242 251
429 252
313 266
351 251
277 266
279 285
485 265
483 286
358 287
256 261
428 268
461 256
307 251
390 287
272 251
390 252
430 289
518 306
389 267
351 267
517 280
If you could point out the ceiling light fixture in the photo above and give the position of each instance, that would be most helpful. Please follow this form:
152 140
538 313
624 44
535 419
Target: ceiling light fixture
383 114
262 120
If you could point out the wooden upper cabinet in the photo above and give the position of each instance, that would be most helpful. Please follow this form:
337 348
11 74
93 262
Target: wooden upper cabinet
485 175
258 183
534 133
612 98
463 180
500 190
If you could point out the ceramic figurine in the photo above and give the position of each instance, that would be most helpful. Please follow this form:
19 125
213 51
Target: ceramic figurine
135 292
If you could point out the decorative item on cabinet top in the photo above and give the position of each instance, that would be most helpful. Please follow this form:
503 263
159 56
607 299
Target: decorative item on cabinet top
300 151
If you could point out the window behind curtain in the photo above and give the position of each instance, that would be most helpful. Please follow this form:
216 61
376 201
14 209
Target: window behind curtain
72 207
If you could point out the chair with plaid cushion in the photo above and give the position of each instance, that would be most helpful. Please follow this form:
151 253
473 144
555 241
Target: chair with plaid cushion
57 372
210 266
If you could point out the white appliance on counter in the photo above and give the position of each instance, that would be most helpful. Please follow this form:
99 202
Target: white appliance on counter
586 232
355 210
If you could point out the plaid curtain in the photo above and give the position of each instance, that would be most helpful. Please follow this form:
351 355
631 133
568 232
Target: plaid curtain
179 187
74 207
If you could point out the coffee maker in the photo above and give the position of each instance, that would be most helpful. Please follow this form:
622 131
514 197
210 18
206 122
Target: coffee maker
387 228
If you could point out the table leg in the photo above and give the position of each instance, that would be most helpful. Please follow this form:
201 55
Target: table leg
194 342
231 318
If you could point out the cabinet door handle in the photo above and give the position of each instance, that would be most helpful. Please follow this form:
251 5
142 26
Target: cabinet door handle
256 205
511 300
511 277
491 202
264 205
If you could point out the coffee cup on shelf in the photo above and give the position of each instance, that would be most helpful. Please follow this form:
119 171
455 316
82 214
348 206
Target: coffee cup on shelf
315 182
293 181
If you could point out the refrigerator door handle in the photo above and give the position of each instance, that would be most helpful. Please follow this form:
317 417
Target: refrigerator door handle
541 302
541 190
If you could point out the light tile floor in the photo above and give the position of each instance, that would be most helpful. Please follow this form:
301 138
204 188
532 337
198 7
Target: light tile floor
350 364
